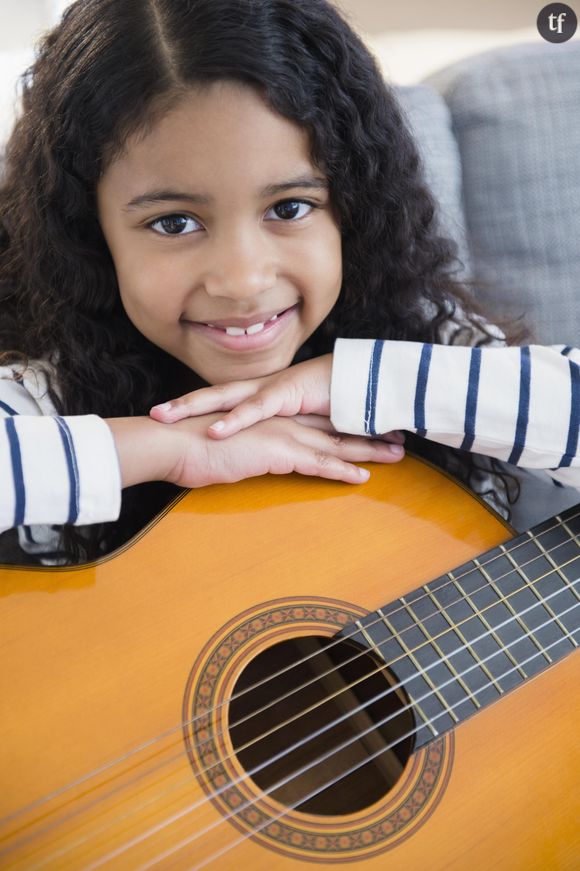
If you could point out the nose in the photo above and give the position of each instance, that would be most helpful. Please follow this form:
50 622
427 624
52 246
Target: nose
239 265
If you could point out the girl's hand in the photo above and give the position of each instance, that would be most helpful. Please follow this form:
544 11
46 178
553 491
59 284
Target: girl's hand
276 446
301 389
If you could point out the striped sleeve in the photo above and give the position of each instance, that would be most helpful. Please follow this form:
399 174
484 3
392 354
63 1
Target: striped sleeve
55 469
520 405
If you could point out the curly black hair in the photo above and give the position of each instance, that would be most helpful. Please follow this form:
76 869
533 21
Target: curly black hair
107 72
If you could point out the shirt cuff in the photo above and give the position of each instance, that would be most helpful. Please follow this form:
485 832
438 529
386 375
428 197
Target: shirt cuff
64 470
373 385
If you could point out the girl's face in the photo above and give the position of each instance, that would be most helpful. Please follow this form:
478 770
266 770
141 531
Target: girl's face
226 249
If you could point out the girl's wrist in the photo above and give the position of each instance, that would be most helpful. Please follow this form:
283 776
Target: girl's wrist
146 450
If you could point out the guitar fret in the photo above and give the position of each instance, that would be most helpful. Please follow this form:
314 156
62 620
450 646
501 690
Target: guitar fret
488 626
380 654
506 601
441 654
464 640
533 586
494 622
424 674
384 650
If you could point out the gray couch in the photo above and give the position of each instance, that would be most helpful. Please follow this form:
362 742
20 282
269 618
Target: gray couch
499 134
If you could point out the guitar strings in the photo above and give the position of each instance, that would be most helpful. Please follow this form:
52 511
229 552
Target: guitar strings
369 702
325 728
465 597
171 731
450 628
506 552
178 728
326 785
61 821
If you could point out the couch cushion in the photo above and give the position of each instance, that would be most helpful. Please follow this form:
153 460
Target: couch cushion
515 117
430 122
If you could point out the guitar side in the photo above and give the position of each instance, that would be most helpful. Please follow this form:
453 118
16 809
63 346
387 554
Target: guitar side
96 661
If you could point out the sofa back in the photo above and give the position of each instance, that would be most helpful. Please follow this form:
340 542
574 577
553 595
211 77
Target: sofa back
500 138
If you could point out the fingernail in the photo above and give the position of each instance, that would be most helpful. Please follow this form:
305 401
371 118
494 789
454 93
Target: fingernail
364 474
218 426
397 450
166 406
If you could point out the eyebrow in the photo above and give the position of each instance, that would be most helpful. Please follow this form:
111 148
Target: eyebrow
153 197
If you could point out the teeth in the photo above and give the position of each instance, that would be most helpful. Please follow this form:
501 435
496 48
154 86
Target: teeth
255 328
238 331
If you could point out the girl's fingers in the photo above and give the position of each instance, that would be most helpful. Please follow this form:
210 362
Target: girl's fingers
349 448
333 469
220 397
328 465
263 405
315 421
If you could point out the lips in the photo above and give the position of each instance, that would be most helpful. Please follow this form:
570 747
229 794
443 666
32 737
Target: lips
245 334
249 330
244 324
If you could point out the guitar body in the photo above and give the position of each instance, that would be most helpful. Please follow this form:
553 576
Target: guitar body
102 664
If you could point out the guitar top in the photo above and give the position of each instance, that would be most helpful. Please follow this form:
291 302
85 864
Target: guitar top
289 672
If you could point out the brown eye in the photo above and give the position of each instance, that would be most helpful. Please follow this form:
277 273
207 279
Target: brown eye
291 209
175 225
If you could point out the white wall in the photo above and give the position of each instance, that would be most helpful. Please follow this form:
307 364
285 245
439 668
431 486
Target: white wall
375 16
410 40
22 20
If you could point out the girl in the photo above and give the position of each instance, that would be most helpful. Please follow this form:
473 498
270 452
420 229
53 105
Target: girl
205 193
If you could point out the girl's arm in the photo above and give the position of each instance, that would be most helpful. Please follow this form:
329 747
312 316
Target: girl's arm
57 470
521 405
72 469
54 469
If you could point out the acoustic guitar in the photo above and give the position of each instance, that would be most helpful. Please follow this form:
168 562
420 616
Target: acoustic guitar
290 673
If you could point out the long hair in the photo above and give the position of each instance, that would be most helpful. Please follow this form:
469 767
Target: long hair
107 72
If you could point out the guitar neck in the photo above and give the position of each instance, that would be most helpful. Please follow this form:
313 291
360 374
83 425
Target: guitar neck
465 639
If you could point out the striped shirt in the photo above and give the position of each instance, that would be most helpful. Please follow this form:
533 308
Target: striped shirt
56 469
519 405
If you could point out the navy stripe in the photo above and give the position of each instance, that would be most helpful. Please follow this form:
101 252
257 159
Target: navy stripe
8 409
524 406
73 471
16 457
572 443
471 401
421 389
566 350
372 385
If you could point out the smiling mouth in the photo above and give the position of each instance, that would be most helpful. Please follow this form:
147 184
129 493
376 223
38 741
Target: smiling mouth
247 327
248 331
246 334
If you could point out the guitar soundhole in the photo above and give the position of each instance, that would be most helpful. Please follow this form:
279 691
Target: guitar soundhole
312 694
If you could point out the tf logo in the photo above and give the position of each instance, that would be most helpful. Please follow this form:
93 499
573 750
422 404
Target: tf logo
557 22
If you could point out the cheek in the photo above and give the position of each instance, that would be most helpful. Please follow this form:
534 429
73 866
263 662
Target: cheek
327 273
146 290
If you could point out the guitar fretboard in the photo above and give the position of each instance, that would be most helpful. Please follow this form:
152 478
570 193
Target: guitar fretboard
465 639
